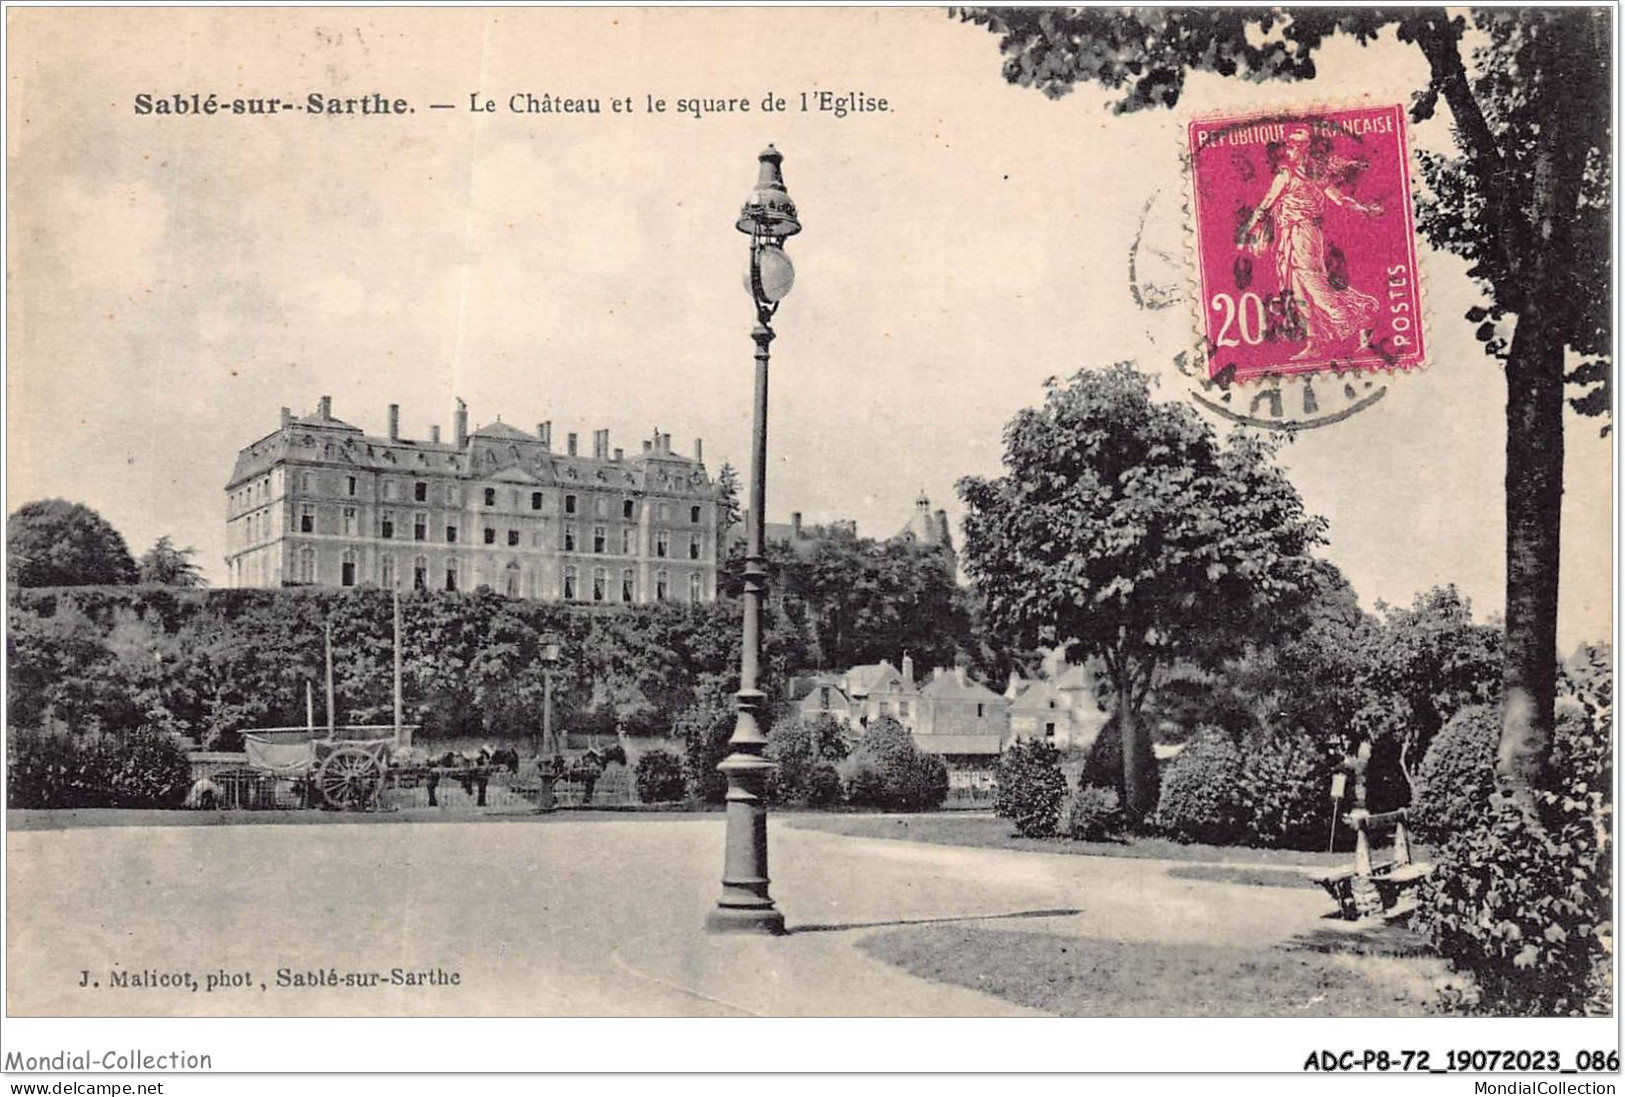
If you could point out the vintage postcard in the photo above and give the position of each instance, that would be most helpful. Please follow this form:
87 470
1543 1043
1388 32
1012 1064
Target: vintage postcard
835 512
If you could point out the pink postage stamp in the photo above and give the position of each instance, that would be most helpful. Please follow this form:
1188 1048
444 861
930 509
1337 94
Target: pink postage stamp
1305 242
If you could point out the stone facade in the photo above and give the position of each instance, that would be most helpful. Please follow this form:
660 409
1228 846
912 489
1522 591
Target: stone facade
320 502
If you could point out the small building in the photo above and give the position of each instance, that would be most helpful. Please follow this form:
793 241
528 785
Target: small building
961 719
1061 708
820 695
950 715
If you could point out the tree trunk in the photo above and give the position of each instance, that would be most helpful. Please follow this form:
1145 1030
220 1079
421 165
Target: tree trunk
1534 449
1534 503
1137 785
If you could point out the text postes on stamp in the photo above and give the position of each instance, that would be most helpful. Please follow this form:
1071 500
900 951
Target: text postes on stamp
1305 242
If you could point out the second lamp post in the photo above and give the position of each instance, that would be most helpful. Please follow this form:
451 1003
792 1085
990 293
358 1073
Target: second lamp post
768 218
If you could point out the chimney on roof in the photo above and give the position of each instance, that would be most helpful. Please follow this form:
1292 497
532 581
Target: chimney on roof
324 408
619 453
461 420
665 443
600 444
287 416
908 671
570 443
795 524
699 451
959 674
434 434
647 445
394 422
544 431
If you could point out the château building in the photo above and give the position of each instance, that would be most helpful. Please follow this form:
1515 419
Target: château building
320 502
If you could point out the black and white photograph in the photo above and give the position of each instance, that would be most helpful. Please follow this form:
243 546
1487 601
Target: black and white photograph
534 520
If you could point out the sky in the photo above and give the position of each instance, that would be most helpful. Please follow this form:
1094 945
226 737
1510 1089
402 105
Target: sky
175 280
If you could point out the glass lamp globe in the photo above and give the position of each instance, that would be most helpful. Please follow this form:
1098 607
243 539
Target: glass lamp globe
777 274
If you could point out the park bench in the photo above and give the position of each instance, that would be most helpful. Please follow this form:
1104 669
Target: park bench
1369 889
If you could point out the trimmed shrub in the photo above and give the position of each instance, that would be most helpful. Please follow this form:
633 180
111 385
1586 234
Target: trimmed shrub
145 768
705 729
1457 775
1522 902
1523 899
1031 787
659 777
1092 814
44 770
806 752
1202 791
1285 789
615 755
823 787
888 771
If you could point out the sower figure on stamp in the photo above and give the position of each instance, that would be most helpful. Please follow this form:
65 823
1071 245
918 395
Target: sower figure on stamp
1325 309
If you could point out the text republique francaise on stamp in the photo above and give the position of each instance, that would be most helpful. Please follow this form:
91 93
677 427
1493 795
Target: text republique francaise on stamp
1305 243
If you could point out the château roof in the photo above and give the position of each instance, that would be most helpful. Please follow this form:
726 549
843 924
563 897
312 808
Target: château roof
499 429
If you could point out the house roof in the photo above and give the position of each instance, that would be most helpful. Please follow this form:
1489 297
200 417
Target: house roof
948 686
863 679
801 687
1039 697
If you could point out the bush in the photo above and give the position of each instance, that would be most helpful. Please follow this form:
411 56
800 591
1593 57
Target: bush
888 771
44 770
659 777
1523 903
705 729
145 768
1092 814
1104 765
1202 791
824 785
806 752
1523 898
1031 787
1457 775
1286 789
615 756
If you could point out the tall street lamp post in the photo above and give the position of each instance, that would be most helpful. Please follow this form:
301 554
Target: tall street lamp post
768 218
550 659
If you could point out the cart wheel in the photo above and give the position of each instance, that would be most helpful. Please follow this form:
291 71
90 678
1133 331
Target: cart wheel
350 778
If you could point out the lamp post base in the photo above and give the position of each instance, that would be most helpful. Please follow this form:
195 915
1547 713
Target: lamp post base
766 921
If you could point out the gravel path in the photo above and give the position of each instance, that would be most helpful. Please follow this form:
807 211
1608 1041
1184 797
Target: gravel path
599 917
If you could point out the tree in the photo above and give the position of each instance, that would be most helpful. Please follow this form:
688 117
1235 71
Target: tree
729 515
1526 203
55 543
1121 524
169 566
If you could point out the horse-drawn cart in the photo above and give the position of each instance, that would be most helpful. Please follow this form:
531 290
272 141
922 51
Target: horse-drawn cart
346 774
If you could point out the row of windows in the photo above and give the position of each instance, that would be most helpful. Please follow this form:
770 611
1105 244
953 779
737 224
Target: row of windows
251 495
349 525
602 589
452 496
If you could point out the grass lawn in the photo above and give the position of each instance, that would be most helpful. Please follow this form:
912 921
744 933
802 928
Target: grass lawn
987 832
1085 977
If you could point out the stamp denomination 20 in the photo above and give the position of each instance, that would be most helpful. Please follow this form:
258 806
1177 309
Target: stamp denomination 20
1305 243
